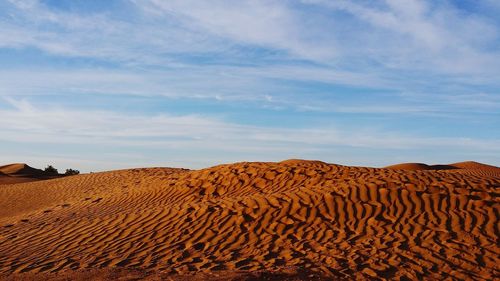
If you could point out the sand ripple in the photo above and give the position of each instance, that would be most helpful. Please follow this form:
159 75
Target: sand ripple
344 222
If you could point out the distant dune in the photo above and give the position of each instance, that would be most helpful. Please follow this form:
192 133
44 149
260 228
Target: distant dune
461 167
472 165
20 172
291 220
421 166
469 165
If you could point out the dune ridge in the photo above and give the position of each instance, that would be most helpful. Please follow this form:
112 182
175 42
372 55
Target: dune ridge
421 166
334 221
21 172
20 169
466 165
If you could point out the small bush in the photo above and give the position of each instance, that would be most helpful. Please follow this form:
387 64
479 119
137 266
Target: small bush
51 170
70 172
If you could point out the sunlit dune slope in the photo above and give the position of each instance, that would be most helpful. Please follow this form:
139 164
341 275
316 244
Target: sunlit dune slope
473 165
477 169
336 221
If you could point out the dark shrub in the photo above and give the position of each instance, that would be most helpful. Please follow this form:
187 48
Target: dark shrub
51 170
70 172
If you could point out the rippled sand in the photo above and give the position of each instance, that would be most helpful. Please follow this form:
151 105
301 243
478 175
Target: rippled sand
292 219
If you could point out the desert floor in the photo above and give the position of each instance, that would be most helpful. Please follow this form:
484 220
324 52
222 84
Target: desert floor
291 220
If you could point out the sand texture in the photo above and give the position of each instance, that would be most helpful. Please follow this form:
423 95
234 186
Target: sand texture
308 219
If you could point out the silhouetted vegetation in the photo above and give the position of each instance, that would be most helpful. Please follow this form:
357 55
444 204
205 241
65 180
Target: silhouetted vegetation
51 170
71 172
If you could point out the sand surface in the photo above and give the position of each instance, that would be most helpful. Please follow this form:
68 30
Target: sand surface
255 221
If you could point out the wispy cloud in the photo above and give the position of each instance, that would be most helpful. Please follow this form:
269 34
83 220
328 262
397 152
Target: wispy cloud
270 24
388 45
25 122
409 60
396 34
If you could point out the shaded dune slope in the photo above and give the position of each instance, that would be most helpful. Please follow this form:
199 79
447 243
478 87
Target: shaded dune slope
20 172
468 167
420 166
21 169
338 221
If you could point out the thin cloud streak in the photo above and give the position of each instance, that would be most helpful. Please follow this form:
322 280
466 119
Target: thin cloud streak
25 123
152 62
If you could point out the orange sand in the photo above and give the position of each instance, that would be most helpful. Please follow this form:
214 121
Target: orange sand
305 218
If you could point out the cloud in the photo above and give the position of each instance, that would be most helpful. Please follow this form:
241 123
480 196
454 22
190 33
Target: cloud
422 35
274 88
395 45
341 41
25 123
337 59
271 24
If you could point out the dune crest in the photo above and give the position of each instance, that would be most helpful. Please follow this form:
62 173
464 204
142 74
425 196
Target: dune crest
472 165
333 221
421 166
467 165
21 172
21 169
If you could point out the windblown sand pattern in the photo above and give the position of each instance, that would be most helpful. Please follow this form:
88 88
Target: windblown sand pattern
335 221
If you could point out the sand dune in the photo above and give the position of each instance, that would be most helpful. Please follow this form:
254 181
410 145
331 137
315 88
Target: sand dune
20 172
473 165
466 167
420 166
20 169
305 218
6 179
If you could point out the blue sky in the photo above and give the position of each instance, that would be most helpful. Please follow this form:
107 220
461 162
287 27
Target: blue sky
98 85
